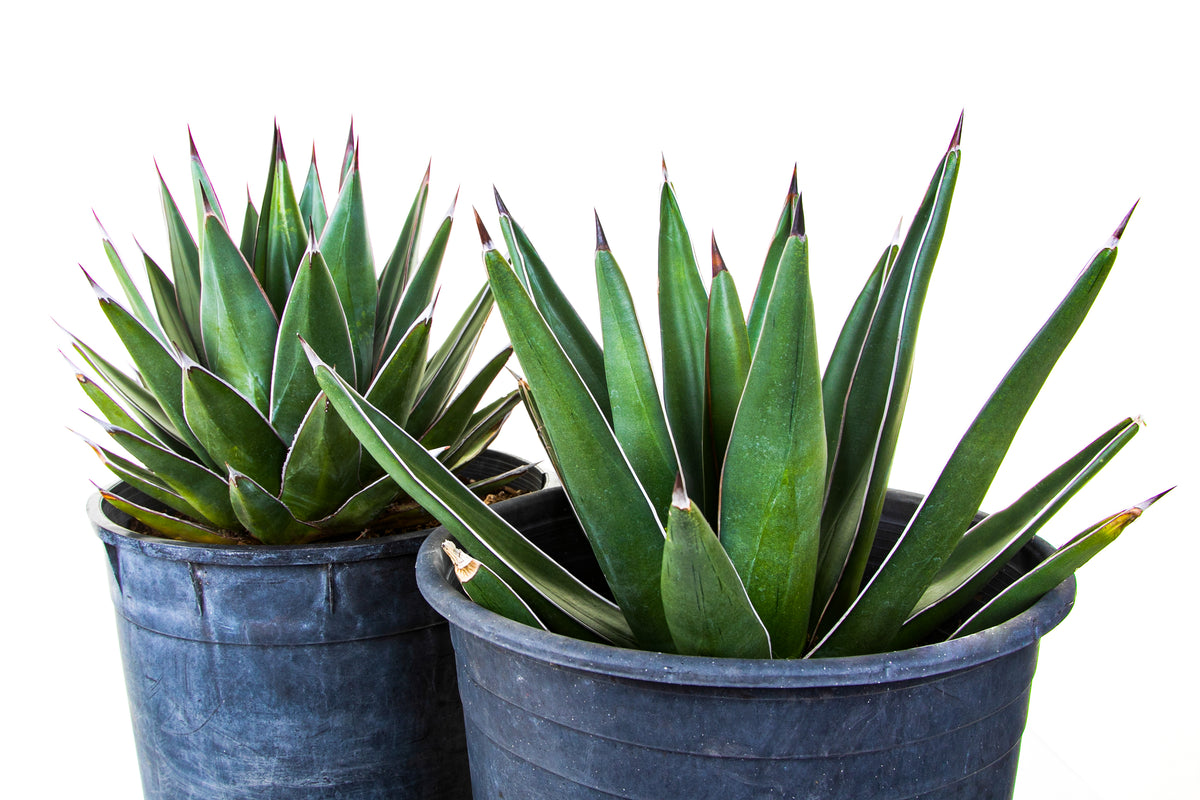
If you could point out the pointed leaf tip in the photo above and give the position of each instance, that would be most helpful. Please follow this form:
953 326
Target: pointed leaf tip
501 209
601 239
100 225
1142 506
679 497
718 263
192 144
794 186
666 178
956 139
1120 231
484 236
798 218
453 204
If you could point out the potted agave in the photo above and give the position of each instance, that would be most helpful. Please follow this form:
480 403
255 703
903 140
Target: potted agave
769 619
274 641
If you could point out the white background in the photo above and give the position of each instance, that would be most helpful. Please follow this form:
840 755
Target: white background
1073 112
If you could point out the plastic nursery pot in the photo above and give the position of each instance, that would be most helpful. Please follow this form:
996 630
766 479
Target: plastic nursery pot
548 716
298 672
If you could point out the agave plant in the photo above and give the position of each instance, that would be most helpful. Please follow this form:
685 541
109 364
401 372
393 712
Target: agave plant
734 516
227 428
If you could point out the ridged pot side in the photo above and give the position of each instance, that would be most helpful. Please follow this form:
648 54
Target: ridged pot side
299 672
549 716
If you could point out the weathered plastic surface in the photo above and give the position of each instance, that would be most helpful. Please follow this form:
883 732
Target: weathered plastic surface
551 717
306 672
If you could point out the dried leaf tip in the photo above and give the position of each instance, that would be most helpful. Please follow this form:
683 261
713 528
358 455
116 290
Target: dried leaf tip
896 233
601 239
718 263
956 139
501 209
666 178
192 144
465 567
428 169
484 237
100 225
279 156
453 204
798 217
679 497
794 186
1120 231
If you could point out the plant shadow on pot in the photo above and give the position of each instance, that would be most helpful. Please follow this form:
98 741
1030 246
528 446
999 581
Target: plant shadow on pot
553 717
298 672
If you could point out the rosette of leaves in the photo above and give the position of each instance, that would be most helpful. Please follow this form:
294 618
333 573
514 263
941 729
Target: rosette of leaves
732 514
222 419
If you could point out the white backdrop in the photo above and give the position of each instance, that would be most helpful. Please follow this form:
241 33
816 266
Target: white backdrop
1073 112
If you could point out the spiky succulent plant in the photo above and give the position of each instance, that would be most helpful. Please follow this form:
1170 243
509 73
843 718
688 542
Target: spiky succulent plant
734 516
223 417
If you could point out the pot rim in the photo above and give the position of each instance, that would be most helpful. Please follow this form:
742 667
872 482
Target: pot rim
109 524
1024 630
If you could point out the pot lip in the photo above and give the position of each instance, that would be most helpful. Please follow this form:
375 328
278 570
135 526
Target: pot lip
114 533
918 663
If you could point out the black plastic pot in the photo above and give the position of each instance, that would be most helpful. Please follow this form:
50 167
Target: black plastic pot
302 672
552 717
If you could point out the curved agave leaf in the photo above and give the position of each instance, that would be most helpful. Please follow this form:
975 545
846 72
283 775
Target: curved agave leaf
261 513
112 410
322 465
173 527
452 423
312 199
611 505
573 336
774 475
395 275
682 310
362 508
564 603
766 278
137 303
166 304
232 430
185 261
727 355
238 322
313 312
347 250
954 499
206 196
280 241
143 480
419 292
249 230
988 546
449 361
481 432
706 605
638 419
1054 570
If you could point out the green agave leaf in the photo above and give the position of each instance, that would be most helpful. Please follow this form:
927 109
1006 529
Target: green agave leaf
682 312
238 321
314 313
638 420
185 261
312 199
143 480
203 489
1054 570
113 411
488 589
948 508
362 508
137 303
557 597
453 422
395 387
232 430
321 468
143 406
206 196
346 246
989 545
539 427
172 527
706 605
159 370
446 366
419 294
348 157
264 516
873 408
727 355
162 291
281 240
573 336
394 278
773 480
612 506
249 230
482 431
766 278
